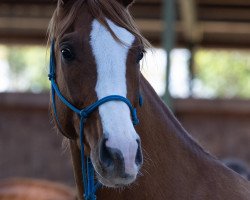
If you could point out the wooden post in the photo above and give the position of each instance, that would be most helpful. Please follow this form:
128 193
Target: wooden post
169 41
192 31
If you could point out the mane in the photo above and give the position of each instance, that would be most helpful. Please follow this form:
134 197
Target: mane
100 10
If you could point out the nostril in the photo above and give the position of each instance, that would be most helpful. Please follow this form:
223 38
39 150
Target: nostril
111 159
105 154
138 158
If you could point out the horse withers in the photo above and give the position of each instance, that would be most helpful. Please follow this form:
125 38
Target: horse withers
96 50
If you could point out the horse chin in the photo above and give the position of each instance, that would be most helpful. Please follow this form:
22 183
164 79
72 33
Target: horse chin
116 182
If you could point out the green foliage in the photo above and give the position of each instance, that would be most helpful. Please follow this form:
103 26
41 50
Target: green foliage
219 73
224 73
28 68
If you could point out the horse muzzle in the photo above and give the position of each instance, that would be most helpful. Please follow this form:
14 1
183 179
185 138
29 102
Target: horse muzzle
118 167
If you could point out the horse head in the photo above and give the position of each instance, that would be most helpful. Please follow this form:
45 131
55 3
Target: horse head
97 50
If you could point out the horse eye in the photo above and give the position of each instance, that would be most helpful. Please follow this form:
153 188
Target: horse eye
139 57
67 54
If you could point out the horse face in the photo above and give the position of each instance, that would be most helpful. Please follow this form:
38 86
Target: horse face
93 64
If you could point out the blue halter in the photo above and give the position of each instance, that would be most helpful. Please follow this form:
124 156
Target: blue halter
89 184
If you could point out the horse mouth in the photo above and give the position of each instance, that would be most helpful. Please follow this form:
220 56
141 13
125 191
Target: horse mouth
115 182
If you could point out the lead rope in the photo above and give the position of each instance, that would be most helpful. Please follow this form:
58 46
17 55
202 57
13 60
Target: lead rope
88 173
90 187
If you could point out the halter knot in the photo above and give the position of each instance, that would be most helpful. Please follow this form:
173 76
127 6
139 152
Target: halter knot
134 117
52 76
83 114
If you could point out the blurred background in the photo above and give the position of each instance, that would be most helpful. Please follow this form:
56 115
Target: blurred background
200 65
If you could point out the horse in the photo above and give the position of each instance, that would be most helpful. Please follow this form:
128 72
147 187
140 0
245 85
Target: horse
97 50
30 189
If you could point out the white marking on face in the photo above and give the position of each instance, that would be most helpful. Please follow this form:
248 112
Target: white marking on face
111 58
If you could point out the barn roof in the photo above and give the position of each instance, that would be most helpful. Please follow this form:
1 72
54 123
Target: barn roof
210 23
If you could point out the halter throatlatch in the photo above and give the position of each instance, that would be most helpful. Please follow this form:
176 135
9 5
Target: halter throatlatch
88 172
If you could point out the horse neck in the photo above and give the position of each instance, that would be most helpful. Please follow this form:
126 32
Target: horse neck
160 130
174 163
172 158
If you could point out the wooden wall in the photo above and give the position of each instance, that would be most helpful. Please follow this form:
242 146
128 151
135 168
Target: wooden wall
29 145
220 126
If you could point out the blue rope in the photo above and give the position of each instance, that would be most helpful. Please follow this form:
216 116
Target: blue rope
90 187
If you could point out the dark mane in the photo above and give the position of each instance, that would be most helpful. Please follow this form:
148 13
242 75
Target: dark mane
101 9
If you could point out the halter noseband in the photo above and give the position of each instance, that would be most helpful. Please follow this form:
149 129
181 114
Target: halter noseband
89 184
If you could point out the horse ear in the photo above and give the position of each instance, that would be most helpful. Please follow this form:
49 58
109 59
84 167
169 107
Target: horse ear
64 2
126 3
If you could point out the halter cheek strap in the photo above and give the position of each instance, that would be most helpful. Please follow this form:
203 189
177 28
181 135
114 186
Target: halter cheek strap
89 184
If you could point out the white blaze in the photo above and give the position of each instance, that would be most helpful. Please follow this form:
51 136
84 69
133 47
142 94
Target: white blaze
111 57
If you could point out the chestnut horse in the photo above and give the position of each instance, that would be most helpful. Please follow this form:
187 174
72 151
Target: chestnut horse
30 189
97 51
